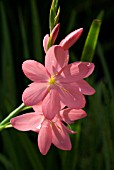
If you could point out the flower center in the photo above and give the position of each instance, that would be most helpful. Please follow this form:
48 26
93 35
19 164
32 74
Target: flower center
52 80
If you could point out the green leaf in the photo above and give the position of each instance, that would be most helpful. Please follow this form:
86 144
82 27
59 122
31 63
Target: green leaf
91 41
56 19
4 160
100 15
101 55
8 76
66 156
51 20
21 152
55 4
23 35
105 126
36 32
33 155
54 15
10 148
71 21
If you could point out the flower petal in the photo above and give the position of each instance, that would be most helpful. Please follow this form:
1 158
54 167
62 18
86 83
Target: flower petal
38 107
71 38
60 137
70 131
84 87
73 72
55 59
67 57
69 115
55 32
91 67
51 104
71 97
45 42
54 35
35 71
26 121
34 94
45 137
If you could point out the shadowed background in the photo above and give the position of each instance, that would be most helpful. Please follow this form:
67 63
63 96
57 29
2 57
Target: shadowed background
23 24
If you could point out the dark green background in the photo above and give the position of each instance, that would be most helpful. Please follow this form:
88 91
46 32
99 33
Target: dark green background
23 25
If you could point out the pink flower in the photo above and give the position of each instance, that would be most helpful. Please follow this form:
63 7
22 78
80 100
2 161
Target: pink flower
50 132
67 42
57 81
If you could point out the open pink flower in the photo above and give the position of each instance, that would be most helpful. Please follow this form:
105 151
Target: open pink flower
50 132
57 81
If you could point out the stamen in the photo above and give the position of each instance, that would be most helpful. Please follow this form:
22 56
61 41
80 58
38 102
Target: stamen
55 123
52 80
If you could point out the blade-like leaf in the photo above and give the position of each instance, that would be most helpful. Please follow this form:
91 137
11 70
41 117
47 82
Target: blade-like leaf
103 117
67 156
36 32
54 15
4 160
33 154
23 35
91 41
105 68
10 148
8 77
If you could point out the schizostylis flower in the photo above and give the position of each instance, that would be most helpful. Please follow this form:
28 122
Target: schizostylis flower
57 82
49 131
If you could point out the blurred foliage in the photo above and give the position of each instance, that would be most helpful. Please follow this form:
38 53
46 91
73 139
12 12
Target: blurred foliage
23 25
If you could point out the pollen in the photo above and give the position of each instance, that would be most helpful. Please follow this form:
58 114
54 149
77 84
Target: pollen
52 80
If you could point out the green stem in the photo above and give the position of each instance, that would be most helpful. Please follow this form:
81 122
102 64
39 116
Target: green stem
13 113
7 125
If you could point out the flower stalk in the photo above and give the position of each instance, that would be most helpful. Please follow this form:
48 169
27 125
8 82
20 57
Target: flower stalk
5 123
53 20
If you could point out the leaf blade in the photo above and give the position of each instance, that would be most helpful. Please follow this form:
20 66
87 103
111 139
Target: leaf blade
91 41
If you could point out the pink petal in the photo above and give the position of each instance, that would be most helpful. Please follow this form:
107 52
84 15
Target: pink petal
45 137
51 104
26 121
70 115
55 32
62 105
38 107
67 57
69 131
71 38
36 130
45 42
55 59
34 94
84 87
54 35
91 67
73 72
60 137
35 71
71 97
